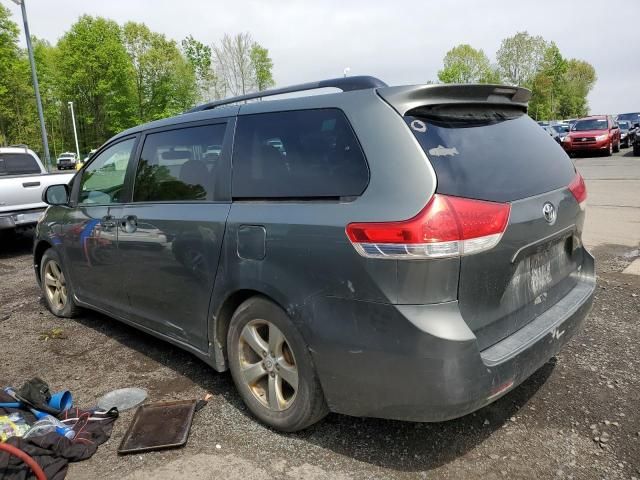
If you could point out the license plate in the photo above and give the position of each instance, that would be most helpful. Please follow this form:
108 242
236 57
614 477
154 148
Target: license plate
540 265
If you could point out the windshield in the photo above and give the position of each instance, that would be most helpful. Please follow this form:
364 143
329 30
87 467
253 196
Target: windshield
624 125
560 128
633 117
591 124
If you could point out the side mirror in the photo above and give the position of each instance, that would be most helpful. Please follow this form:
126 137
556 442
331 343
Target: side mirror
56 195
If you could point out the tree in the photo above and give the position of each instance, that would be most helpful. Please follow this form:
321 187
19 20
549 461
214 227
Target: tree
15 110
465 64
579 79
165 83
262 66
95 73
242 64
520 57
548 84
200 59
233 63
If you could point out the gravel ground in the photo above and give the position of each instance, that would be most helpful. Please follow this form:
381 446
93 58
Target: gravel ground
577 417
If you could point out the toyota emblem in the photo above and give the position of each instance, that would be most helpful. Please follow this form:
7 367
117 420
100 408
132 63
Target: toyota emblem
549 212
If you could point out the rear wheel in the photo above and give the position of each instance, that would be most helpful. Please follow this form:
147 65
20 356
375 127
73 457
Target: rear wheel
272 368
56 289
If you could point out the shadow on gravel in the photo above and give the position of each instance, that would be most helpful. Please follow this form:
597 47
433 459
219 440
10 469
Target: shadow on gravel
14 244
398 445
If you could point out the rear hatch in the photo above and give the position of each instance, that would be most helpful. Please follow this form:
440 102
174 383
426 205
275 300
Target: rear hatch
497 153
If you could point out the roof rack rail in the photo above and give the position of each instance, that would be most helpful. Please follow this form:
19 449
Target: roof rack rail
345 84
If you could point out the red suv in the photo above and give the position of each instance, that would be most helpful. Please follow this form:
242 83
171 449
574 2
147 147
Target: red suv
597 133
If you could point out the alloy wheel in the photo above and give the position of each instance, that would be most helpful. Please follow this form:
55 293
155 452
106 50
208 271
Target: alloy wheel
267 365
55 285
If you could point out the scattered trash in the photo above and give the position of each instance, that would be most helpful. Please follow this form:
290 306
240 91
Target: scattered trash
157 426
122 399
13 425
49 424
54 334
41 432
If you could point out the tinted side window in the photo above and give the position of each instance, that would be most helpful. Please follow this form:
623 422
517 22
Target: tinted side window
18 164
297 154
179 164
103 179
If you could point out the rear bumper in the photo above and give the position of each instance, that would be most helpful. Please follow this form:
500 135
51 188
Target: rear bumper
421 363
24 218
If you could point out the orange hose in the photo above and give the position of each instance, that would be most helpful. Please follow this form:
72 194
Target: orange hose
16 452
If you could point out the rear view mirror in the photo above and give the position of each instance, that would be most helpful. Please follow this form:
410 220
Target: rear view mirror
56 195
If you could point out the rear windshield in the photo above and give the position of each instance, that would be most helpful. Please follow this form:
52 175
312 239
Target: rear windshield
18 164
500 155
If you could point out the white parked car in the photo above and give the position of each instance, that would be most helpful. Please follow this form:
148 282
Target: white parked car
23 178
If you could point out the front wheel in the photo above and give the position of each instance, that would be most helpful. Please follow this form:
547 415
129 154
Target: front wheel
56 289
636 150
616 148
609 151
272 368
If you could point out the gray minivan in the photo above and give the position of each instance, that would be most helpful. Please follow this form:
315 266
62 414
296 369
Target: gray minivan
407 252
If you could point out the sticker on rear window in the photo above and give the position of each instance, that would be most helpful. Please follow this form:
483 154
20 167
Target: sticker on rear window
419 126
441 151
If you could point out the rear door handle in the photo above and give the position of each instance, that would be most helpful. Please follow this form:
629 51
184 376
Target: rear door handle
107 222
129 223
31 184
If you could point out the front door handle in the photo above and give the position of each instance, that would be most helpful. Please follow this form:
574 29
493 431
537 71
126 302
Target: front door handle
107 222
129 223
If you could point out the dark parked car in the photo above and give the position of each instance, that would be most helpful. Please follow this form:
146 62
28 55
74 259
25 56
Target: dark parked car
403 252
624 126
553 133
634 134
598 133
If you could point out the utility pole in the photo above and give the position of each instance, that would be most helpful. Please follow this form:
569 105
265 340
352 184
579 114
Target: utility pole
34 76
75 133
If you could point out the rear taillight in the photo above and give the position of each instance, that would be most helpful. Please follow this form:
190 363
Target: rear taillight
579 190
446 227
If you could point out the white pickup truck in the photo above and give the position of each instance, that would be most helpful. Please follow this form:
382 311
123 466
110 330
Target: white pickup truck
23 178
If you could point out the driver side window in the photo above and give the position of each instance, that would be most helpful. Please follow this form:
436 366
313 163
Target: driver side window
103 179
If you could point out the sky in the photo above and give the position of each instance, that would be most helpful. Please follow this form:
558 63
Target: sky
400 42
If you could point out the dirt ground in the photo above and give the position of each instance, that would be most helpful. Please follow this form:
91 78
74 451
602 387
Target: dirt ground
578 417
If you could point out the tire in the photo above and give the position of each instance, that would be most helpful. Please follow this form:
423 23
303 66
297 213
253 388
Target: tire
267 393
51 270
609 150
616 148
636 150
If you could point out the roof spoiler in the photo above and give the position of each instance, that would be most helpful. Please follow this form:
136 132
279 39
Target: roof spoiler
405 99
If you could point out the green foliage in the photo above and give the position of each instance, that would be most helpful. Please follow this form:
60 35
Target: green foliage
520 57
262 66
115 76
165 83
96 73
465 64
559 86
199 57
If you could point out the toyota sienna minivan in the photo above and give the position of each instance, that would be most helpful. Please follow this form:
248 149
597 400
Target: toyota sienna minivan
409 252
